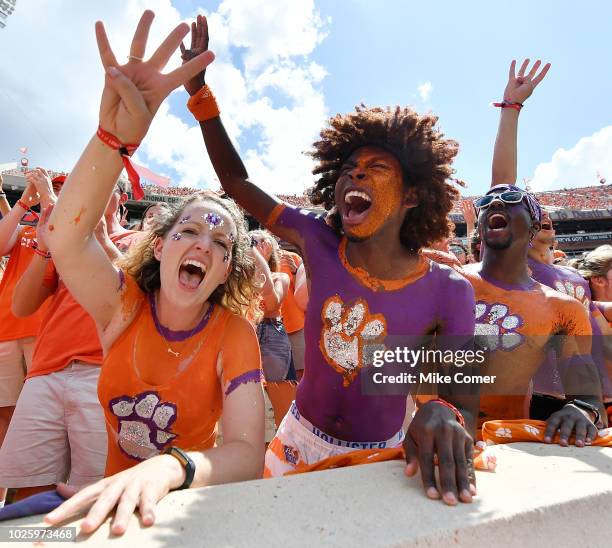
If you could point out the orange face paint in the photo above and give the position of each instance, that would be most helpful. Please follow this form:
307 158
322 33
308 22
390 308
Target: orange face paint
378 174
51 228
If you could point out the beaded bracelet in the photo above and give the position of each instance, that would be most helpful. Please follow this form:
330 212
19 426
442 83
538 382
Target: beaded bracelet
509 104
450 406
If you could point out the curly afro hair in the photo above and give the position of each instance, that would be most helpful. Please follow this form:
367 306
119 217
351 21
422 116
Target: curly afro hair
423 152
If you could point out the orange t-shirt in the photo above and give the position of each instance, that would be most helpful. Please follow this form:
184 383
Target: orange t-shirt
68 333
293 315
160 387
11 327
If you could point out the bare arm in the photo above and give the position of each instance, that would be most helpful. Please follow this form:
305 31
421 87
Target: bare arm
30 292
4 205
225 159
275 284
301 288
518 90
132 94
9 224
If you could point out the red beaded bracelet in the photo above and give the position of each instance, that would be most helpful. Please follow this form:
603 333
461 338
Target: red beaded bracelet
508 104
22 204
450 406
43 254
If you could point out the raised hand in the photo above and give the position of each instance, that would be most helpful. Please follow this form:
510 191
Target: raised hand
469 215
199 44
30 195
520 86
134 91
41 180
41 227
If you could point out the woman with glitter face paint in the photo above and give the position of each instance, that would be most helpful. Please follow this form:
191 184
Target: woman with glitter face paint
273 339
383 176
179 352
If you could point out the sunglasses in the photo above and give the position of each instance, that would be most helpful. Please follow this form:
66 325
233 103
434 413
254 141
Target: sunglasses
508 197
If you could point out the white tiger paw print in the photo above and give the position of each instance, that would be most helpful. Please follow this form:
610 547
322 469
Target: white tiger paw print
531 430
576 291
349 335
144 424
495 328
503 433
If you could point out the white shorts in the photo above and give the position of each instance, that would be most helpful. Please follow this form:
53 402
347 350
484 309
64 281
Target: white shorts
15 360
297 442
57 432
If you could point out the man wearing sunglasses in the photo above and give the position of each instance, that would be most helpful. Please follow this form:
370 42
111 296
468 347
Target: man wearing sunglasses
519 319
548 393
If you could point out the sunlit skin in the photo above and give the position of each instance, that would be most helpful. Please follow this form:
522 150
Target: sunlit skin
150 216
377 173
198 242
601 287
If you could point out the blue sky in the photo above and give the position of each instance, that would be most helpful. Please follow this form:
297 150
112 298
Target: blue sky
378 52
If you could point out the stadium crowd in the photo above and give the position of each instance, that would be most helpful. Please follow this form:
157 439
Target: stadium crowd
112 397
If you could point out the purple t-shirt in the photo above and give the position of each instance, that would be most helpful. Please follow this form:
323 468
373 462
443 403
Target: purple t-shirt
567 280
350 313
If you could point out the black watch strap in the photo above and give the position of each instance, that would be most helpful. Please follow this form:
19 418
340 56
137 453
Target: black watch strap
186 463
586 406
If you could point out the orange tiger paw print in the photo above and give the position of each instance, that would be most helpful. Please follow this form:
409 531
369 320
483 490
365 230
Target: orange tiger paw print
347 333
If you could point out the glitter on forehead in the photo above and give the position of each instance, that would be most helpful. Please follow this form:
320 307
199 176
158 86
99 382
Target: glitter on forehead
232 237
176 236
184 219
213 220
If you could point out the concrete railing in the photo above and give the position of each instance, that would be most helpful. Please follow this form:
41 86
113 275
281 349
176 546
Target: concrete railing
540 496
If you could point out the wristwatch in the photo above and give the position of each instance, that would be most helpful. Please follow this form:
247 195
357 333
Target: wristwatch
186 463
586 406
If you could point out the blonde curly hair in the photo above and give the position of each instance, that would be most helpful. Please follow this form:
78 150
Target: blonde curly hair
239 293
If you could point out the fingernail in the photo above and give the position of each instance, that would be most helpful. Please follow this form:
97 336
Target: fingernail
473 490
113 72
432 493
466 494
588 441
450 498
547 439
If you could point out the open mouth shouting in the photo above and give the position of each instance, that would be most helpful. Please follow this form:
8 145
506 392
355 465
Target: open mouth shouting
497 222
356 207
191 274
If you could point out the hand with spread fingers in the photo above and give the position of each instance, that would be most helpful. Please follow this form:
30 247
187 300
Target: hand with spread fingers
134 91
571 420
520 86
141 486
41 180
199 45
435 432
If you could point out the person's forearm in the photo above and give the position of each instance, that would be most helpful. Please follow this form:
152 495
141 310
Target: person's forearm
83 199
5 207
504 153
232 461
111 250
30 293
8 226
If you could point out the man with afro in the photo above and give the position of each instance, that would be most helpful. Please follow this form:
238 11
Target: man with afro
383 175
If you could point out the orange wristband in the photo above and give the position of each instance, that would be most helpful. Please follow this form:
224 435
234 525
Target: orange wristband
203 105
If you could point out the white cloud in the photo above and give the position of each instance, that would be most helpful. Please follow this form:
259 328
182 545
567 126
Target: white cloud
264 81
577 166
425 90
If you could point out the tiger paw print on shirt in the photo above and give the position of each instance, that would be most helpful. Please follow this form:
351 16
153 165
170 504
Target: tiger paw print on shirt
576 291
144 424
349 334
496 327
